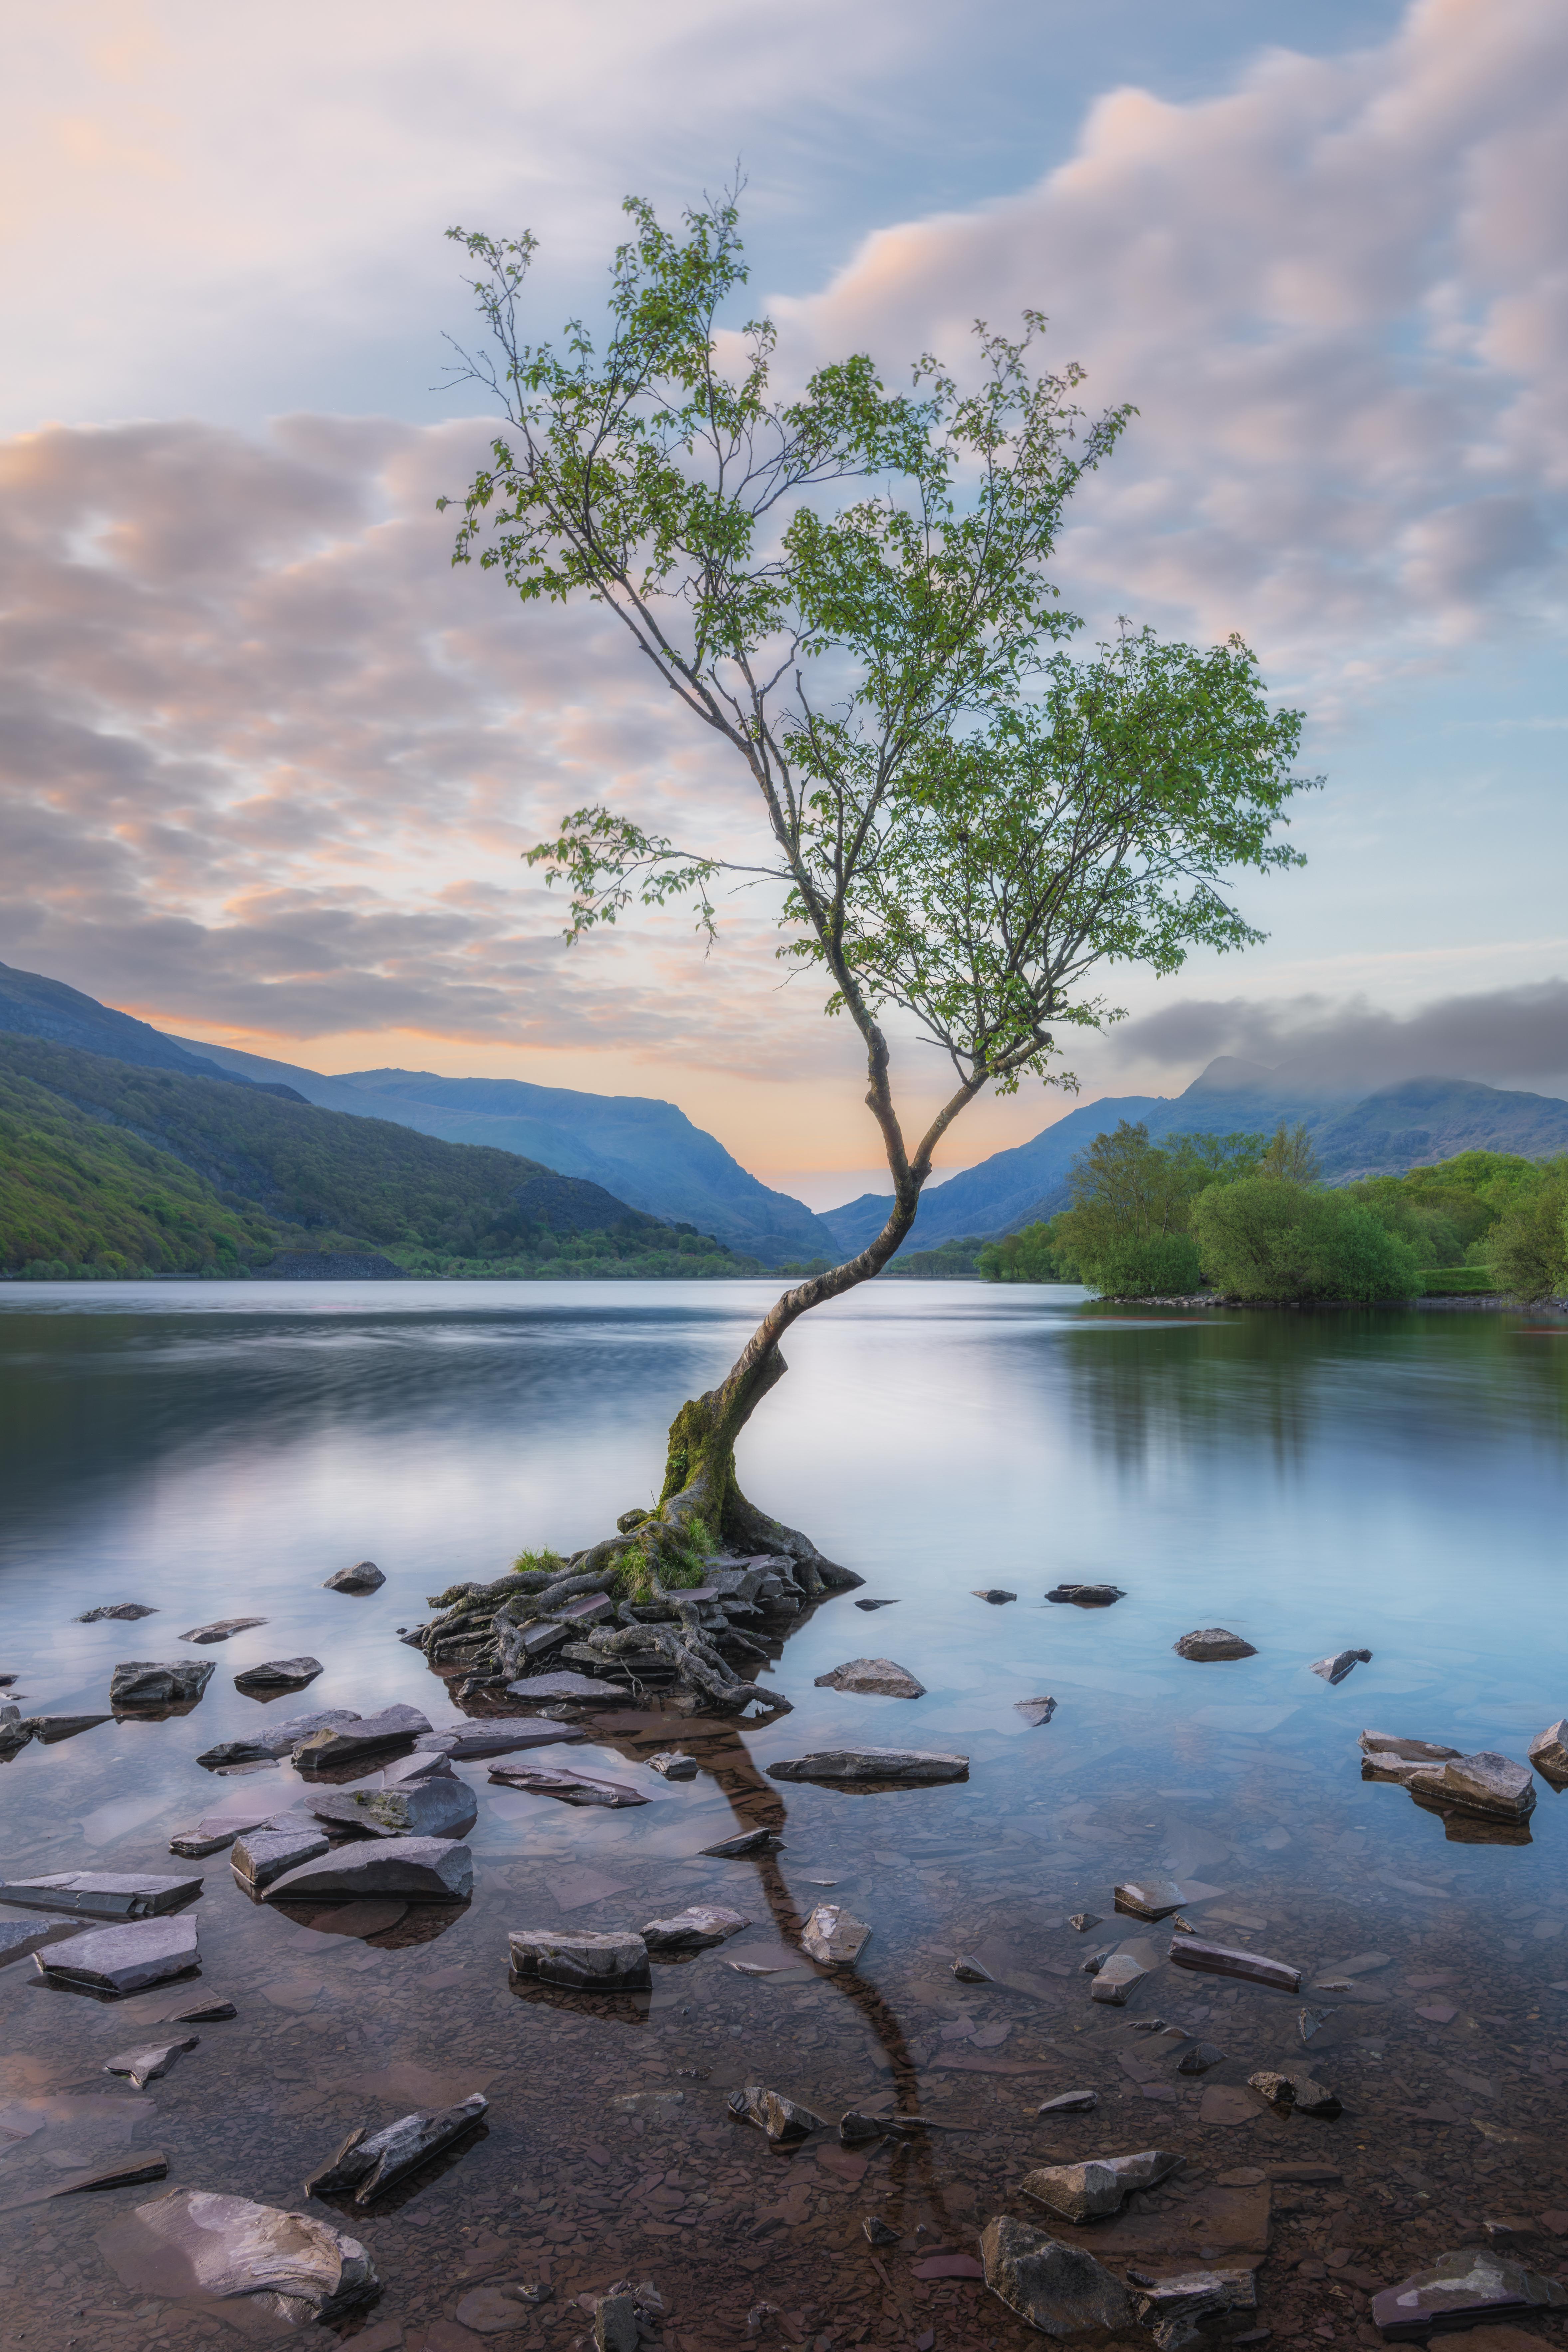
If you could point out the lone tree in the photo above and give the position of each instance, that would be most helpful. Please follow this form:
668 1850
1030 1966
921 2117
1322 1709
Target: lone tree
965 819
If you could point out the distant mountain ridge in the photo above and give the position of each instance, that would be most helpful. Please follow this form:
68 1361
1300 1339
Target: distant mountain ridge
1399 1127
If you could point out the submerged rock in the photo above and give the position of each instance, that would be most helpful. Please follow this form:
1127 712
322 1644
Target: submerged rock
570 1788
374 2163
880 1678
1084 1920
970 1971
546 1690
785 2122
1222 1961
1059 2290
280 1845
1116 1978
288 2268
422 1870
143 2066
744 1843
148 1682
362 1577
1199 2059
346 1743
406 1771
100 1894
1069 2103
1087 1596
1549 1753
1299 2092
51 1729
1211 1643
876 1604
670 1765
1173 2306
1335 1669
994 1593
1087 2192
125 1958
1148 1898
1484 1783
916 1765
833 1937
274 1740
482 1739
877 2231
1385 1756
222 1628
587 1962
1465 2289
277 1674
1036 1711
122 1609
856 2130
696 1929
444 1807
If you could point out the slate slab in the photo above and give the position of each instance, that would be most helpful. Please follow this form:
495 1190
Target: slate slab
123 1960
605 1962
288 2269
422 1870
100 1894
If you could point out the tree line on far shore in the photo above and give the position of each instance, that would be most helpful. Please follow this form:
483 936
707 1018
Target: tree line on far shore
1249 1217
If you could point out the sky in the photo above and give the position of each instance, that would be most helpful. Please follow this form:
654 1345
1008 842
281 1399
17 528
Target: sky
269 761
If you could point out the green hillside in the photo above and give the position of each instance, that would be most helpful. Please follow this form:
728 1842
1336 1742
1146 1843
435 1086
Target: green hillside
110 1168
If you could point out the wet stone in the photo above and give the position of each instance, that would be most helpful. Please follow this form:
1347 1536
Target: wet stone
879 1677
856 2130
613 1961
483 1740
148 1682
1088 2192
406 1771
1199 2059
362 1577
128 1610
371 2164
1059 2290
1386 1754
568 1787
426 1870
1484 1783
876 1604
1148 1898
970 1971
994 1593
1335 1669
745 1842
1087 1596
275 1740
697 1930
1465 2289
785 2122
279 1845
1116 1978
145 2065
915 1766
100 1894
670 1765
1084 1920
546 1690
879 2232
1311 2022
834 1936
1286 2092
652 2106
222 1628
1069 2103
442 1807
1222 1961
122 1959
347 1743
50 1728
1211 1643
215 1836
1036 1711
277 1674
615 2323
1549 1754
289 2268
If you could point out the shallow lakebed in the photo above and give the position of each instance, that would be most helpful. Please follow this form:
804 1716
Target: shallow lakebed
1394 1482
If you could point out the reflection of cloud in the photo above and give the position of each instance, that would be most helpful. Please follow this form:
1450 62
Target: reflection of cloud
1337 294
1500 1035
270 760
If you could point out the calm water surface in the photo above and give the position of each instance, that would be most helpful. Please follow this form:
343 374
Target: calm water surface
1394 1481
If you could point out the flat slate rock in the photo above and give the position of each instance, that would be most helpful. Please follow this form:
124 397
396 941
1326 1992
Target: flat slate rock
878 1676
125 1958
833 1936
570 1788
403 1772
1036 1711
1148 1898
546 1690
1087 1596
1468 2288
278 1674
193 2245
1211 1643
1069 2103
1061 2290
364 1577
51 1729
608 1962
876 1604
1088 2192
373 2163
100 1894
786 2121
1484 1783
119 1608
1549 1754
480 1740
744 1843
275 1740
994 1593
151 1682
147 2064
670 1765
1221 1960
1295 2093
1335 1669
222 1628
1388 1756
919 1766
280 1845
1121 1974
216 1834
444 1807
696 1929
345 1743
430 1870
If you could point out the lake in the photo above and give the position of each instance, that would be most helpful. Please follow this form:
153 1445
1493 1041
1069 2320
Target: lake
1390 1481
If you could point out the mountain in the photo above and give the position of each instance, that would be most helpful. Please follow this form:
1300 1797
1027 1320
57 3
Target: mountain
1407 1126
32 1006
118 1166
644 1151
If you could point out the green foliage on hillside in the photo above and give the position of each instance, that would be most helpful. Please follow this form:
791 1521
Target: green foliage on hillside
1027 1256
1266 1237
110 1168
1126 1233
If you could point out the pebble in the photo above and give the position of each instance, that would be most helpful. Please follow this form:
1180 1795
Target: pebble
1211 1643
362 1577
